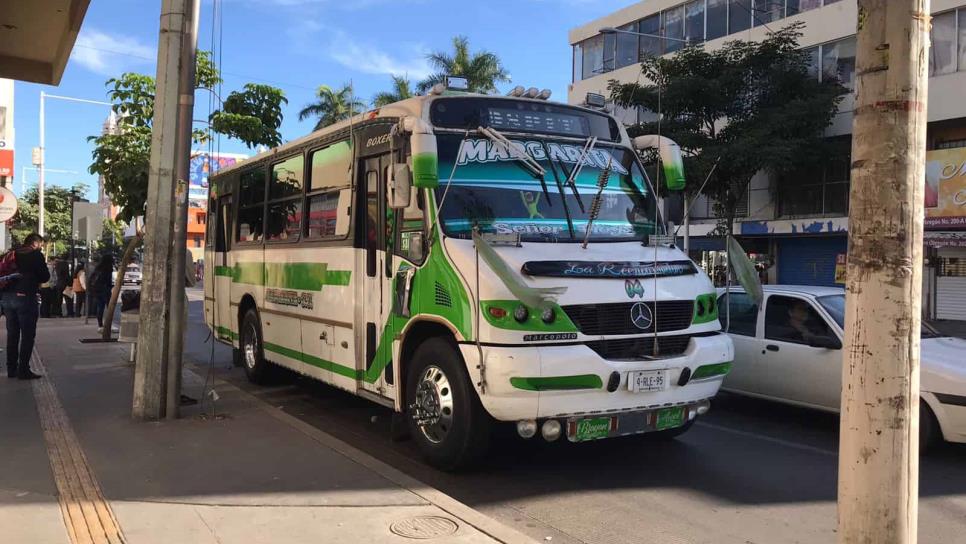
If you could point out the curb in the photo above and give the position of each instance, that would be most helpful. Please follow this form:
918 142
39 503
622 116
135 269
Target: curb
481 522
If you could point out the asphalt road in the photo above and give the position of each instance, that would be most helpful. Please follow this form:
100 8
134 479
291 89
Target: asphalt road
748 472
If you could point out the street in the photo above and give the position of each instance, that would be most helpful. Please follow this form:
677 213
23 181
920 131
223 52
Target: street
748 472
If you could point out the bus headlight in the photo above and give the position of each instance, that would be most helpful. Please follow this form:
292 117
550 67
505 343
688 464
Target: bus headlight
548 315
521 313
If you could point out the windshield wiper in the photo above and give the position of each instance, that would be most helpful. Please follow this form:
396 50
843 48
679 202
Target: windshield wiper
528 162
572 178
595 204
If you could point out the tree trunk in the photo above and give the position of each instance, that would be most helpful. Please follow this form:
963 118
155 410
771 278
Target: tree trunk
879 442
116 291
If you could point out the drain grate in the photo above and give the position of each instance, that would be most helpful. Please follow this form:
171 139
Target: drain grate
424 527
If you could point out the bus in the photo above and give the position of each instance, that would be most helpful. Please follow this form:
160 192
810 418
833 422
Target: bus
468 259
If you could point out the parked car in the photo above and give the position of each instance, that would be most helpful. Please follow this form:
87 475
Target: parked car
791 351
132 274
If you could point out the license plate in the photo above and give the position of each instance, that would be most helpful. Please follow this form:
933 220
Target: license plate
668 418
591 429
646 380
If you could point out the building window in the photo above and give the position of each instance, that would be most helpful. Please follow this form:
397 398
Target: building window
768 11
739 16
717 19
838 62
593 62
694 21
813 61
578 62
942 51
627 46
650 45
197 240
673 28
819 191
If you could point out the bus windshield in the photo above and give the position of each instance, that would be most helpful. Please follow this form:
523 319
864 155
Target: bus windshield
493 190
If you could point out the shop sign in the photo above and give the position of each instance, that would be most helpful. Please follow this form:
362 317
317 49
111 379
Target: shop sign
8 204
6 163
945 197
840 268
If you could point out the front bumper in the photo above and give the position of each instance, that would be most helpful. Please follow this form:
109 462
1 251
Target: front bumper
583 377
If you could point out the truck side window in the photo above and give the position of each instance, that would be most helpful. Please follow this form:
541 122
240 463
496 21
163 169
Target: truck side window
743 313
790 319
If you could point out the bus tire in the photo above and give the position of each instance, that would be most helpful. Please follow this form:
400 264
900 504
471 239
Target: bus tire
257 369
444 414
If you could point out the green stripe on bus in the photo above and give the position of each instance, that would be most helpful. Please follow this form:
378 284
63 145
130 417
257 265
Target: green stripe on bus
315 361
551 383
301 276
226 333
707 371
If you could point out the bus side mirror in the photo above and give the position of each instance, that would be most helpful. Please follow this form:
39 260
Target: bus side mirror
399 187
670 154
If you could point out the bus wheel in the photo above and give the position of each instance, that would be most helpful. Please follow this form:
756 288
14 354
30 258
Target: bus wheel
446 419
250 348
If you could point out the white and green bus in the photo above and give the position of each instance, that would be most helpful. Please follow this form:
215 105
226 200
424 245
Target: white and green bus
466 259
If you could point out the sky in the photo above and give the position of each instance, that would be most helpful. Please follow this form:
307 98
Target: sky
295 45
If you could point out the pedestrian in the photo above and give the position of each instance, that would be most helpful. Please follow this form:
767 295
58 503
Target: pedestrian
60 288
100 286
79 287
20 307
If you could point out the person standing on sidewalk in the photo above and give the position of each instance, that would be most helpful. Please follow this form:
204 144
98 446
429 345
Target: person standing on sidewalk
79 286
20 307
100 288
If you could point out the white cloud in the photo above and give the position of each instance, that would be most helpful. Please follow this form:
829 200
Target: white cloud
369 59
110 54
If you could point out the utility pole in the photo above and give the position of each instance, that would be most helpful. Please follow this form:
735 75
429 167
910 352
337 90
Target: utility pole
40 180
878 491
150 375
176 293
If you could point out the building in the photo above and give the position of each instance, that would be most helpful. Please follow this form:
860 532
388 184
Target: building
201 167
801 227
7 169
108 207
37 37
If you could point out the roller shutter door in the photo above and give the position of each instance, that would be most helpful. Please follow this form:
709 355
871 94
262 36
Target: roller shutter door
951 284
809 260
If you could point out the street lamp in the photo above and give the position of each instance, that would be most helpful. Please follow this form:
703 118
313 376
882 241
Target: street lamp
40 181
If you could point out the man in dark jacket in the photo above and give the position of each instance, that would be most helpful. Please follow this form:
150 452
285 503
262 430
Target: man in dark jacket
20 307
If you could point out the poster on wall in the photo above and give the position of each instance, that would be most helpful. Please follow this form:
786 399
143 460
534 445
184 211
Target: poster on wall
945 197
202 166
840 262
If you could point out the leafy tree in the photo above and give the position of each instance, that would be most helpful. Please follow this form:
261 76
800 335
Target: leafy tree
482 70
332 105
401 90
57 215
749 107
123 158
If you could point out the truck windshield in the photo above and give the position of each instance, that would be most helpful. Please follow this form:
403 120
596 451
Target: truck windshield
492 190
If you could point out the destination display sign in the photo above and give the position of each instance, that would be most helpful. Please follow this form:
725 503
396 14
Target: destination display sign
516 120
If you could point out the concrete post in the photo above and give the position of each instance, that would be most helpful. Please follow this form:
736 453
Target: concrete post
150 375
176 294
879 446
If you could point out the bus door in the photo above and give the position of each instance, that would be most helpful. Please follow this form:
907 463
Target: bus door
221 271
375 290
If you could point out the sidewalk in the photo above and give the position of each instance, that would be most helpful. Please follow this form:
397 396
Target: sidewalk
79 469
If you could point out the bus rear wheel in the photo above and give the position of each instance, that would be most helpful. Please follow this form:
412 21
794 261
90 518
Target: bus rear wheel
445 417
257 369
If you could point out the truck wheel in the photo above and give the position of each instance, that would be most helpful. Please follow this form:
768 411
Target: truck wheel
445 417
250 347
929 433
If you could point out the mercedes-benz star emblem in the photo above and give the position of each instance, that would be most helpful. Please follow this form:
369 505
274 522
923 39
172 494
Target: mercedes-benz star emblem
641 316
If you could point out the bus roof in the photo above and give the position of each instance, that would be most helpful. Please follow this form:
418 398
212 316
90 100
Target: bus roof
416 106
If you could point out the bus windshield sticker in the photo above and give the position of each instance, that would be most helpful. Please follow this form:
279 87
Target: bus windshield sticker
484 151
608 269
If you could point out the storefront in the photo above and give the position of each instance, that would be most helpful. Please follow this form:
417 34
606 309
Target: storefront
944 279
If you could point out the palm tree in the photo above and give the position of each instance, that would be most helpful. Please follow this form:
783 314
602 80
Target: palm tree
400 91
332 106
482 69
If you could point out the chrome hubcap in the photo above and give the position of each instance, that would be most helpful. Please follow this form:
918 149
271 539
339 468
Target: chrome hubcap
251 347
433 409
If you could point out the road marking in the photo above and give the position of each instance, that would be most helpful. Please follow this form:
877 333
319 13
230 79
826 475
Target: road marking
87 515
766 438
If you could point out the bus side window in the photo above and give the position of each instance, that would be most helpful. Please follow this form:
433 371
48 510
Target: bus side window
251 206
210 223
284 218
329 193
221 224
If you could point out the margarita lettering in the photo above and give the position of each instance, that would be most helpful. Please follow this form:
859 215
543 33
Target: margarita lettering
484 151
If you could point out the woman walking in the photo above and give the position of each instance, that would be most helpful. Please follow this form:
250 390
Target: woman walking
100 286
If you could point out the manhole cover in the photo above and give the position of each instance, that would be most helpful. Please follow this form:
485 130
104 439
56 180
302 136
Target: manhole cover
424 527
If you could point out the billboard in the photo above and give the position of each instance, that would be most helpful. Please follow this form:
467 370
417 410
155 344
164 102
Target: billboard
201 167
945 197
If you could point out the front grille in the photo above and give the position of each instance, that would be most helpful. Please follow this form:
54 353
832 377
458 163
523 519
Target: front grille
640 348
615 318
